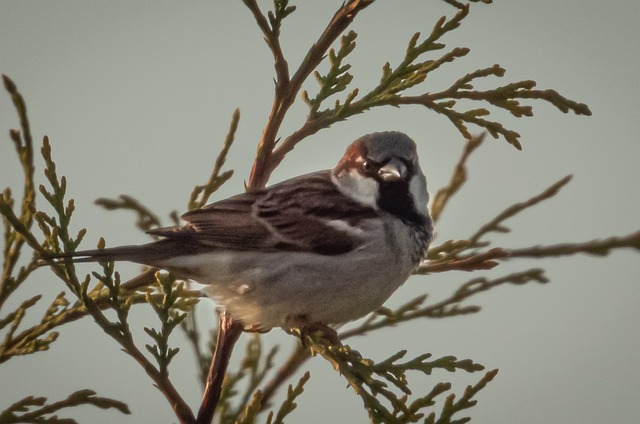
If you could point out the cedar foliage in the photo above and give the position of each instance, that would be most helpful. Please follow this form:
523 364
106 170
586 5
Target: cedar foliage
38 220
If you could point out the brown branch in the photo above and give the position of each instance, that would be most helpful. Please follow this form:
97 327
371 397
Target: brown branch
125 339
298 357
595 247
505 97
404 76
228 334
446 307
287 90
70 315
491 258
271 36
484 260
458 178
495 224
180 407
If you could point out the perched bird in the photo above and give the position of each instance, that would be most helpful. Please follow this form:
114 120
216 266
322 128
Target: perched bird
319 249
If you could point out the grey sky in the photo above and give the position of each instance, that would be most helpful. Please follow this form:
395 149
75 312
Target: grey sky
136 98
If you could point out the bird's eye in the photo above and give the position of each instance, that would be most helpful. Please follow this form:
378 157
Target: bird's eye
368 167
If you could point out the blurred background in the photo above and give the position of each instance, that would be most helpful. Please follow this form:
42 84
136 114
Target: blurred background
137 97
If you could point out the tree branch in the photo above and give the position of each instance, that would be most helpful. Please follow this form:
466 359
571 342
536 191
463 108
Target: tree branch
594 247
458 178
287 90
228 334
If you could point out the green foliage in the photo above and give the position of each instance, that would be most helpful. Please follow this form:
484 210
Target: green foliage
289 405
372 381
171 302
392 89
453 406
172 308
247 391
23 411
146 220
201 193
336 80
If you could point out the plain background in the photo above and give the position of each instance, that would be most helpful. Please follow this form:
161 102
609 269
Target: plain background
136 98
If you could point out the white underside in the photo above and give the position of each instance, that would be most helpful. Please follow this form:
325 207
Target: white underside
265 290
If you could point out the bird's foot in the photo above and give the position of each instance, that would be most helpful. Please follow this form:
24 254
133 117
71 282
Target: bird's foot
304 329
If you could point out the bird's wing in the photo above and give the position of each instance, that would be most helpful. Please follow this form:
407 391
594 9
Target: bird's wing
307 213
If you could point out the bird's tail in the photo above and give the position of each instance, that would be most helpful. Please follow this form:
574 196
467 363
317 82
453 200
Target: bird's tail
147 254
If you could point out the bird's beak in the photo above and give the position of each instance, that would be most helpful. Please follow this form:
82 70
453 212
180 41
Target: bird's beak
394 170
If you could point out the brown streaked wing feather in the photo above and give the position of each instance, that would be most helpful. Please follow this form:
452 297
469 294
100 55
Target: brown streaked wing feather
288 216
227 224
298 213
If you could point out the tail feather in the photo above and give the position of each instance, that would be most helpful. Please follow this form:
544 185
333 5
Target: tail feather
121 253
147 254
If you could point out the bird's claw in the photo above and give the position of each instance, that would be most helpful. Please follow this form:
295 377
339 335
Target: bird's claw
306 330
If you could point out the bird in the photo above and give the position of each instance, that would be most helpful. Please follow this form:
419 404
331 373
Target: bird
320 249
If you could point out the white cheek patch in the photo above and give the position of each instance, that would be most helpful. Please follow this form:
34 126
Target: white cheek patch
363 189
418 190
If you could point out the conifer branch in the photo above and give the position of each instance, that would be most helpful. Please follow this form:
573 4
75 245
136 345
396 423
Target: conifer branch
458 178
383 386
451 406
23 412
201 193
228 334
288 88
495 225
146 220
58 237
450 306
596 247
298 356
172 308
244 382
251 410
14 239
289 405
492 257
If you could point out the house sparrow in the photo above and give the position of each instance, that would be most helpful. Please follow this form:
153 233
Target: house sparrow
319 249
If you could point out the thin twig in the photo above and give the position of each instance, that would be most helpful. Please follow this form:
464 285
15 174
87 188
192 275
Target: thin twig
271 36
125 339
292 364
495 224
593 247
490 258
102 302
484 260
458 178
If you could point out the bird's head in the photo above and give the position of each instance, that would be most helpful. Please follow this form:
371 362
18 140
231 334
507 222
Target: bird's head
382 170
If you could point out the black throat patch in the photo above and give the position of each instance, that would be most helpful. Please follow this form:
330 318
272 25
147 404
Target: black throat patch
396 199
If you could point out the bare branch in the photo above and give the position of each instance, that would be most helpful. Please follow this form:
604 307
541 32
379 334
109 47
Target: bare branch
495 225
594 247
475 262
458 178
